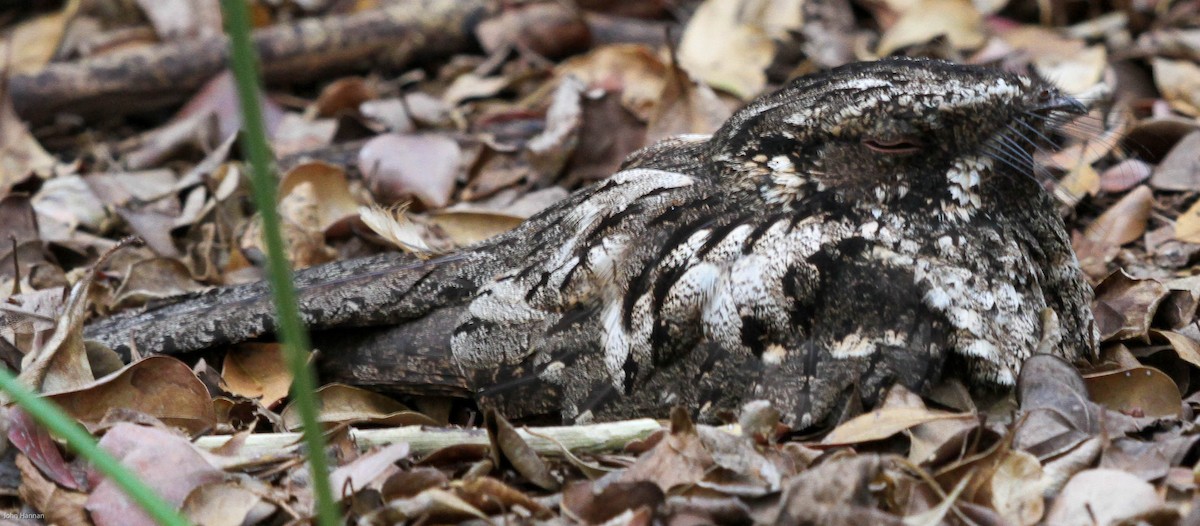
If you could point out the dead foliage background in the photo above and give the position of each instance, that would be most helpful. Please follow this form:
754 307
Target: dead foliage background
431 124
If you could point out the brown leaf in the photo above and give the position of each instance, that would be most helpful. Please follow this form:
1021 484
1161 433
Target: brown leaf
596 502
342 404
1087 499
257 370
1014 489
1138 392
1180 169
836 492
885 422
411 482
549 29
335 204
341 95
39 448
1125 175
1124 221
957 20
154 278
1179 83
493 496
60 506
356 475
685 107
466 228
400 166
61 362
21 155
737 60
159 386
228 503
634 71
1125 306
523 458
146 451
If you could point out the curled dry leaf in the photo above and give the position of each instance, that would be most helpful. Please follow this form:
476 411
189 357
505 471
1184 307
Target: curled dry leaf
885 422
159 386
685 107
228 503
21 155
678 459
356 475
154 278
1014 489
523 458
1087 499
1138 392
39 447
1180 170
1125 175
549 29
343 404
145 451
434 505
257 370
1125 306
596 502
335 204
835 492
344 94
60 505
728 43
493 496
633 70
1122 223
401 166
467 228
1179 83
925 20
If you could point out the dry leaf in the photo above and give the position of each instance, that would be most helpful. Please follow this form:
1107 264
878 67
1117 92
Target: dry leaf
335 204
257 370
957 20
401 166
228 503
467 228
1088 499
1125 306
159 386
1180 169
1179 83
342 404
885 422
728 43
146 451
1138 392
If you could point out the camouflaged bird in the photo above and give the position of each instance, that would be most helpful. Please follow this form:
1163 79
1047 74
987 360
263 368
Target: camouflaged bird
873 224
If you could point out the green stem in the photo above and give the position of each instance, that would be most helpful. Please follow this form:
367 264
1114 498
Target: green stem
85 446
244 62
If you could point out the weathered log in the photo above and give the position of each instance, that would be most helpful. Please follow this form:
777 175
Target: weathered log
147 78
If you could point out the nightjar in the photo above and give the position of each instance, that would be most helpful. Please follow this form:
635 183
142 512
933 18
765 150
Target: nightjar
873 224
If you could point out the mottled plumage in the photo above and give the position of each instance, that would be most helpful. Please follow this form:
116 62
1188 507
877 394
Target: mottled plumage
874 224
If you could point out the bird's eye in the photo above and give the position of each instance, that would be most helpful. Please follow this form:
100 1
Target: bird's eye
895 146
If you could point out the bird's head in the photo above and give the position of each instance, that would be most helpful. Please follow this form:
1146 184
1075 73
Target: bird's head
927 132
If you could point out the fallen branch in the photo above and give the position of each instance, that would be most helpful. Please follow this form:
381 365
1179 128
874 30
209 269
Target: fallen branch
151 77
592 438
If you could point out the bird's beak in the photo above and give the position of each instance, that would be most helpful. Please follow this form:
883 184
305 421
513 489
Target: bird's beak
1064 104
